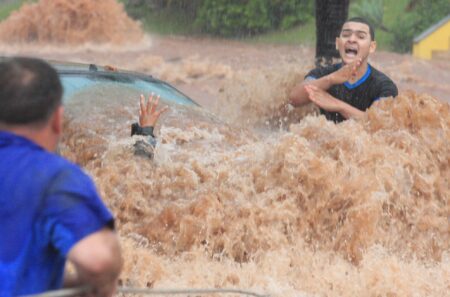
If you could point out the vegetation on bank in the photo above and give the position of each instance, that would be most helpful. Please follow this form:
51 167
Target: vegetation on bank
275 21
224 18
285 21
398 22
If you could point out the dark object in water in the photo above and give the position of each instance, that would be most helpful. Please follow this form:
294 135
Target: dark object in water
136 129
143 149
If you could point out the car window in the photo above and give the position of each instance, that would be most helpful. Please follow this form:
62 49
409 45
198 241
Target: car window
112 97
75 83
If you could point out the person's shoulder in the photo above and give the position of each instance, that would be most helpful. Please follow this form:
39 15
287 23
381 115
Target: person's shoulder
380 76
383 83
63 169
35 157
55 160
322 71
49 163
331 67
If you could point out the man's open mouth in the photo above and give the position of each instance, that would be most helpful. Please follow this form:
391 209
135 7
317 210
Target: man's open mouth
351 52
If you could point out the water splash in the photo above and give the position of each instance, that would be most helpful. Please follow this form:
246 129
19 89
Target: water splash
62 22
356 208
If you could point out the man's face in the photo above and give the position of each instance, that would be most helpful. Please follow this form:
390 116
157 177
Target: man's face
355 42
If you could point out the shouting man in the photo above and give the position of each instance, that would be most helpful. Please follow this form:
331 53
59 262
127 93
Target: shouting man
346 90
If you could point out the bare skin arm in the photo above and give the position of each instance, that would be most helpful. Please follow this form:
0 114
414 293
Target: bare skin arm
148 115
299 96
97 260
325 101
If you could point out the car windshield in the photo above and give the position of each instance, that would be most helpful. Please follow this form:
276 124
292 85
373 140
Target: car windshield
99 98
76 82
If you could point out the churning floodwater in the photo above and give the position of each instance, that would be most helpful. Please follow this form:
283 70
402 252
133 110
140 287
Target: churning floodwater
267 198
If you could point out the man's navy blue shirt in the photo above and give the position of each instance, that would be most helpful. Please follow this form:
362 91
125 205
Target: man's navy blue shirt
372 86
47 205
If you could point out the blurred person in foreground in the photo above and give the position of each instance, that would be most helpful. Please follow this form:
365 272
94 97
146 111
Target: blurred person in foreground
346 90
50 210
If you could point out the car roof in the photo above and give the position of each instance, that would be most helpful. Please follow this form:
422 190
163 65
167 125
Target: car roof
66 67
76 66
83 68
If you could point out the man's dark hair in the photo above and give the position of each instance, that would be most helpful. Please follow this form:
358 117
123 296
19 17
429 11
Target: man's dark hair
30 91
363 21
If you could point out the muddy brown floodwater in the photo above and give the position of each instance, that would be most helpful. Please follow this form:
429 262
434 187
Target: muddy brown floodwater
269 198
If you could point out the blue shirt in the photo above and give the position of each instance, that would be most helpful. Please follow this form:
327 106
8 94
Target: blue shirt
47 205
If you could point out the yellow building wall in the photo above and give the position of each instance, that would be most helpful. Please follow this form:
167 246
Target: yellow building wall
439 40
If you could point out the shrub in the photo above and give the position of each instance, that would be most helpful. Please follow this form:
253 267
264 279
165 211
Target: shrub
288 13
424 14
141 8
403 33
238 18
372 10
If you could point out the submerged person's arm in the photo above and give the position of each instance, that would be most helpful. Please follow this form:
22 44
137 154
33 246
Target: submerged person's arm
136 129
148 116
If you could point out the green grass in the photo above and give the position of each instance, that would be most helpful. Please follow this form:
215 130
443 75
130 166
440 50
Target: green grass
10 6
303 34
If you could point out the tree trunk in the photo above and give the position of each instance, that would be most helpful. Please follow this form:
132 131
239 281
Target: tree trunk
411 5
330 16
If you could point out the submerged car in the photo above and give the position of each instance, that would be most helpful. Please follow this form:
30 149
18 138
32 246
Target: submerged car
95 92
102 102
77 77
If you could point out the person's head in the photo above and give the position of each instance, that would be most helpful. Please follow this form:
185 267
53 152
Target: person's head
356 40
30 98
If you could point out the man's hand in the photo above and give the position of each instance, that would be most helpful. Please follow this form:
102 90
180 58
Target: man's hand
148 115
331 104
345 73
323 99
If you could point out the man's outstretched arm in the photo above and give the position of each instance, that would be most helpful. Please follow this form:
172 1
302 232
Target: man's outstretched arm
97 260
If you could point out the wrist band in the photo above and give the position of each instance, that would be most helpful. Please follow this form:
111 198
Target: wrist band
138 130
